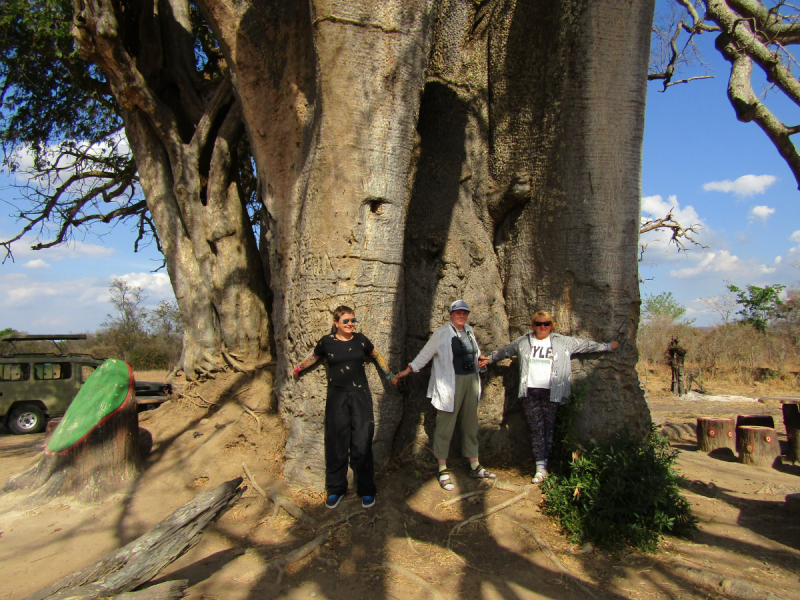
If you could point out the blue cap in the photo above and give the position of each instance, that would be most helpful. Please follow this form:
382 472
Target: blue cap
459 305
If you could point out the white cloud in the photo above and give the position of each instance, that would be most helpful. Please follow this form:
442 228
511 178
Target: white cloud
795 237
722 262
778 260
36 264
762 212
155 285
746 185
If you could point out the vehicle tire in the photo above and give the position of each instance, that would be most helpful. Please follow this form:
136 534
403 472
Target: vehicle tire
26 418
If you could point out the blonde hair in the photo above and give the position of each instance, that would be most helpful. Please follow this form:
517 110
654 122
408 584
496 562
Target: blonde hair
544 316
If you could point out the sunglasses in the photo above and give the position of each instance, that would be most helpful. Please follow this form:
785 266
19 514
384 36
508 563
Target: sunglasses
353 320
542 323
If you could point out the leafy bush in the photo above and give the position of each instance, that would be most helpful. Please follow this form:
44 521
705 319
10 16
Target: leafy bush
619 493
149 357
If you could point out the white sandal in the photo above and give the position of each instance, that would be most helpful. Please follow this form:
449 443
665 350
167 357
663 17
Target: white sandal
444 481
539 477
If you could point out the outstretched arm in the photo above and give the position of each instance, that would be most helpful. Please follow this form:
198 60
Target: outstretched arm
579 346
312 359
382 364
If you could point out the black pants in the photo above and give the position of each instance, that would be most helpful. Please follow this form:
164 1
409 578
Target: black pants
349 427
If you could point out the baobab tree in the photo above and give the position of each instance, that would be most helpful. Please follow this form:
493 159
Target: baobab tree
406 153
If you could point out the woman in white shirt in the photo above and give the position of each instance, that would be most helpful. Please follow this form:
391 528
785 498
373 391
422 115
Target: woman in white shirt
454 389
544 378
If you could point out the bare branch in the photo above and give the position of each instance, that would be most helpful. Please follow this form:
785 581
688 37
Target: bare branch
679 233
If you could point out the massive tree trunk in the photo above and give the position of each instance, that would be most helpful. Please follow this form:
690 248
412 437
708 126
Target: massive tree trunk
184 132
531 130
409 152
331 95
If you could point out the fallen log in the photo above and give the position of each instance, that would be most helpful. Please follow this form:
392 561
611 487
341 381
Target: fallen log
138 562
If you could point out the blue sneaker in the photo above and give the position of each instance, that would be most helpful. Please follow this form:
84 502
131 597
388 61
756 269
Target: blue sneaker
367 501
333 500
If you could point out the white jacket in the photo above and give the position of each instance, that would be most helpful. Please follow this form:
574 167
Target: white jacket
442 385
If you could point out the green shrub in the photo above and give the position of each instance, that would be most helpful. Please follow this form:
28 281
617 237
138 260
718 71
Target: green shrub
149 357
616 494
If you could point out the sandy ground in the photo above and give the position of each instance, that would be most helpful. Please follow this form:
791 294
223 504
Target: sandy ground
747 532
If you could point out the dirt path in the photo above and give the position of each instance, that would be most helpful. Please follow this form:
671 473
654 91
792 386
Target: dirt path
746 531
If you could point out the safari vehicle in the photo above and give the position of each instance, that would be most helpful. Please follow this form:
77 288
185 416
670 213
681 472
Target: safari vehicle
35 386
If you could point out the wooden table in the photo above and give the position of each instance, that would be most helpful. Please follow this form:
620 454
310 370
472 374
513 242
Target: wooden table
791 419
789 400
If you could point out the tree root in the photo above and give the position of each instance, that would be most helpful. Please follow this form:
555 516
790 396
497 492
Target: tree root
234 364
734 588
554 559
521 496
252 414
461 497
281 501
287 559
416 579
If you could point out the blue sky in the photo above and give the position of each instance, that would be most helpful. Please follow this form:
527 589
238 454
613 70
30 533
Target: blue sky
698 160
725 175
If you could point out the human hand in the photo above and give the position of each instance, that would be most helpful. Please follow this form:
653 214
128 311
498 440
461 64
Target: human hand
614 345
483 361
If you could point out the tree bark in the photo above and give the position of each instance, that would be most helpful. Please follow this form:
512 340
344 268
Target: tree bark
183 132
409 152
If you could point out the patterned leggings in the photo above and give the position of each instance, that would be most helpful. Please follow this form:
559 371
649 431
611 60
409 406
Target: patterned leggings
541 415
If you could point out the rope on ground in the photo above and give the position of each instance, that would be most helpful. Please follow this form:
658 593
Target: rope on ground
432 591
554 559
491 511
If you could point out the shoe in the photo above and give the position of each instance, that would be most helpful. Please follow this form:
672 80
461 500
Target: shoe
333 500
539 477
367 501
480 473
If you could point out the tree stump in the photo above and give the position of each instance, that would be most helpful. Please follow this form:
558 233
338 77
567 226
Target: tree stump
94 450
756 420
714 433
791 419
758 446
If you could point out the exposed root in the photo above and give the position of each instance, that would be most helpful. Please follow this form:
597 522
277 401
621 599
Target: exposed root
252 414
235 365
491 511
461 497
256 487
281 501
292 557
408 541
416 579
554 559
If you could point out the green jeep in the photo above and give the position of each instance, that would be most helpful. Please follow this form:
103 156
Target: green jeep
37 386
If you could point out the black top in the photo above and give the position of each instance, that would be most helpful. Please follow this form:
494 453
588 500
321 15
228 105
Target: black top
345 360
463 353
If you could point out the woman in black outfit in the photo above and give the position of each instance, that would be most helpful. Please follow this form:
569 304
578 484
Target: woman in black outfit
349 420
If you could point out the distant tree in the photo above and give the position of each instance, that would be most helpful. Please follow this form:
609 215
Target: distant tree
760 305
165 321
663 307
126 328
724 305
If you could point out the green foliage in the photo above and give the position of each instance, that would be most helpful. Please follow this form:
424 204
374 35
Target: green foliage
149 356
615 494
662 306
47 93
760 305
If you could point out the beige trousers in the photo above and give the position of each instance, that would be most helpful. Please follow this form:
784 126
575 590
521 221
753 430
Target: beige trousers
466 405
